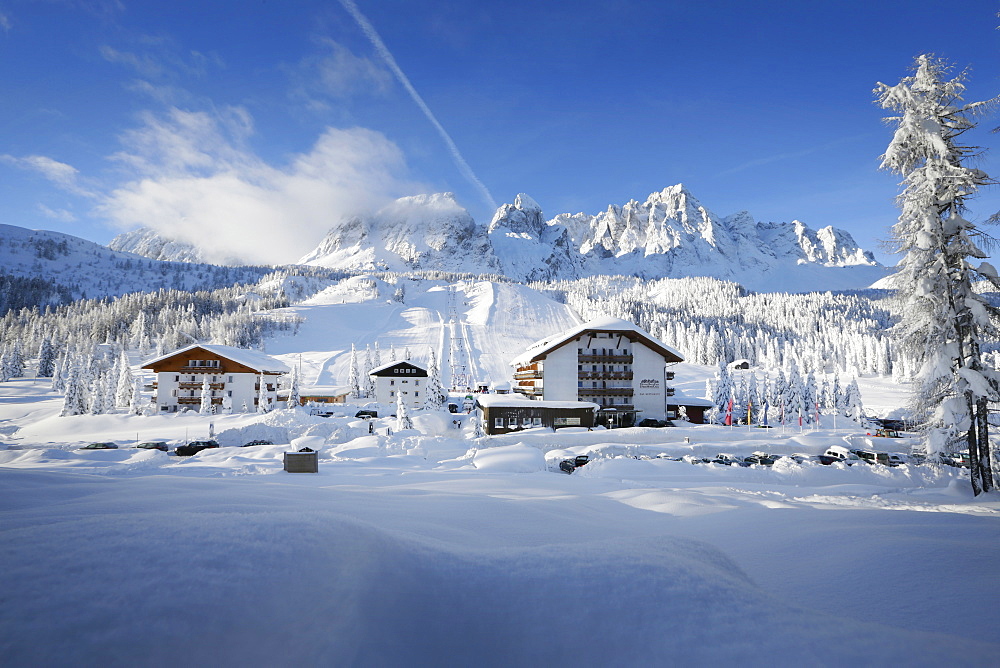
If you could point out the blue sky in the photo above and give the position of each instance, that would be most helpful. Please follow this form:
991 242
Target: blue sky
261 123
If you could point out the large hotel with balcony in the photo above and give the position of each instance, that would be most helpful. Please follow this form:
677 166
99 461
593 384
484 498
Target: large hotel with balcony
234 376
609 362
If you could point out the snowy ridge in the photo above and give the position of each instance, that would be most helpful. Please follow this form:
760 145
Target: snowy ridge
419 232
148 243
669 235
77 268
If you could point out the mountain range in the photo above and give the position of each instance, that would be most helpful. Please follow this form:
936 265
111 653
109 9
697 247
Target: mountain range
668 235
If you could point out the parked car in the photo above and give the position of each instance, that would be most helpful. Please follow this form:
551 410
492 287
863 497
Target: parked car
194 447
154 445
651 422
886 433
838 453
961 459
452 408
760 459
252 443
100 446
366 414
872 457
570 465
897 459
729 460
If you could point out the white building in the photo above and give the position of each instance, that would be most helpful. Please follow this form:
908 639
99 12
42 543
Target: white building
233 374
405 377
607 361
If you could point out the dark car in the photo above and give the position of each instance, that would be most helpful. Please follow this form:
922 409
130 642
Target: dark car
154 445
100 446
650 422
194 447
252 443
452 408
366 414
760 459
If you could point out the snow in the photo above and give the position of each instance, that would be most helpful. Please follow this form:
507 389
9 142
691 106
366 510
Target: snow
248 358
429 546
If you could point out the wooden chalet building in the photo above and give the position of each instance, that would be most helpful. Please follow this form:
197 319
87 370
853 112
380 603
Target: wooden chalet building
609 362
234 376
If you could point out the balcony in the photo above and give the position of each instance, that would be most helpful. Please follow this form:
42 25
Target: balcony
529 390
604 375
197 385
604 359
202 369
197 400
527 375
605 391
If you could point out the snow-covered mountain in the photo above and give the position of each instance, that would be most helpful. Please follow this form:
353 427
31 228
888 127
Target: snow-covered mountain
419 232
41 267
669 235
149 243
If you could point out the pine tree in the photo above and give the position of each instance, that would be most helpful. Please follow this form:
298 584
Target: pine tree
403 420
723 392
125 383
367 384
377 357
16 360
853 406
352 380
943 319
262 406
294 398
135 402
74 401
435 392
205 408
46 358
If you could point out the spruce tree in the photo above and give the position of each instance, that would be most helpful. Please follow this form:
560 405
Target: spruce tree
943 319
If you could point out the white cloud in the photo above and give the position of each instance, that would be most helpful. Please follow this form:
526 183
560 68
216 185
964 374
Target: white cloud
63 175
199 182
4 22
62 215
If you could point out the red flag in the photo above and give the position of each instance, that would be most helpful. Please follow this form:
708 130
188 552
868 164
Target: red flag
729 413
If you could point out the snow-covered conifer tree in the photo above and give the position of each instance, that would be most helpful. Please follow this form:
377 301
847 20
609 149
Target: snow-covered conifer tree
943 318
123 390
376 357
294 398
403 420
205 408
367 385
435 392
75 400
352 375
46 358
262 395
135 402
15 362
853 406
723 392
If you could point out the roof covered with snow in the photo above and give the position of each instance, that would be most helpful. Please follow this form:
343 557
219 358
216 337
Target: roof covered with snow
253 359
518 401
388 365
543 347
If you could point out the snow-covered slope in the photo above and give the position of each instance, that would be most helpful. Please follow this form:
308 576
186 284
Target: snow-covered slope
420 232
148 243
77 268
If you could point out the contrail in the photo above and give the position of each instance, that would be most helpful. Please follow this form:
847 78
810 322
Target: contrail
369 30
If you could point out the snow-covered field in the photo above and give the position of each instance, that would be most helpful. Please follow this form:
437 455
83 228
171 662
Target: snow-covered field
426 547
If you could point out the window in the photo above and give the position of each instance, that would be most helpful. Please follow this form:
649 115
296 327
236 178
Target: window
416 382
392 382
526 421
230 379
498 423
229 393
512 422
416 394
177 379
536 421
392 394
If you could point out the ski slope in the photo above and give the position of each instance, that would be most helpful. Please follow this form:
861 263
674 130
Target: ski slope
474 328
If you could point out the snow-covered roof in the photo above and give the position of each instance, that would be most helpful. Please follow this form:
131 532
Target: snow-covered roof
541 348
689 401
323 390
517 401
249 358
389 365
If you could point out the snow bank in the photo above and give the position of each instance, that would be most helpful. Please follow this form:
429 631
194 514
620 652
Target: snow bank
519 458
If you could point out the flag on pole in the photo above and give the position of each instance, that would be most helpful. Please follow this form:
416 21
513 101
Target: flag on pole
763 417
729 413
